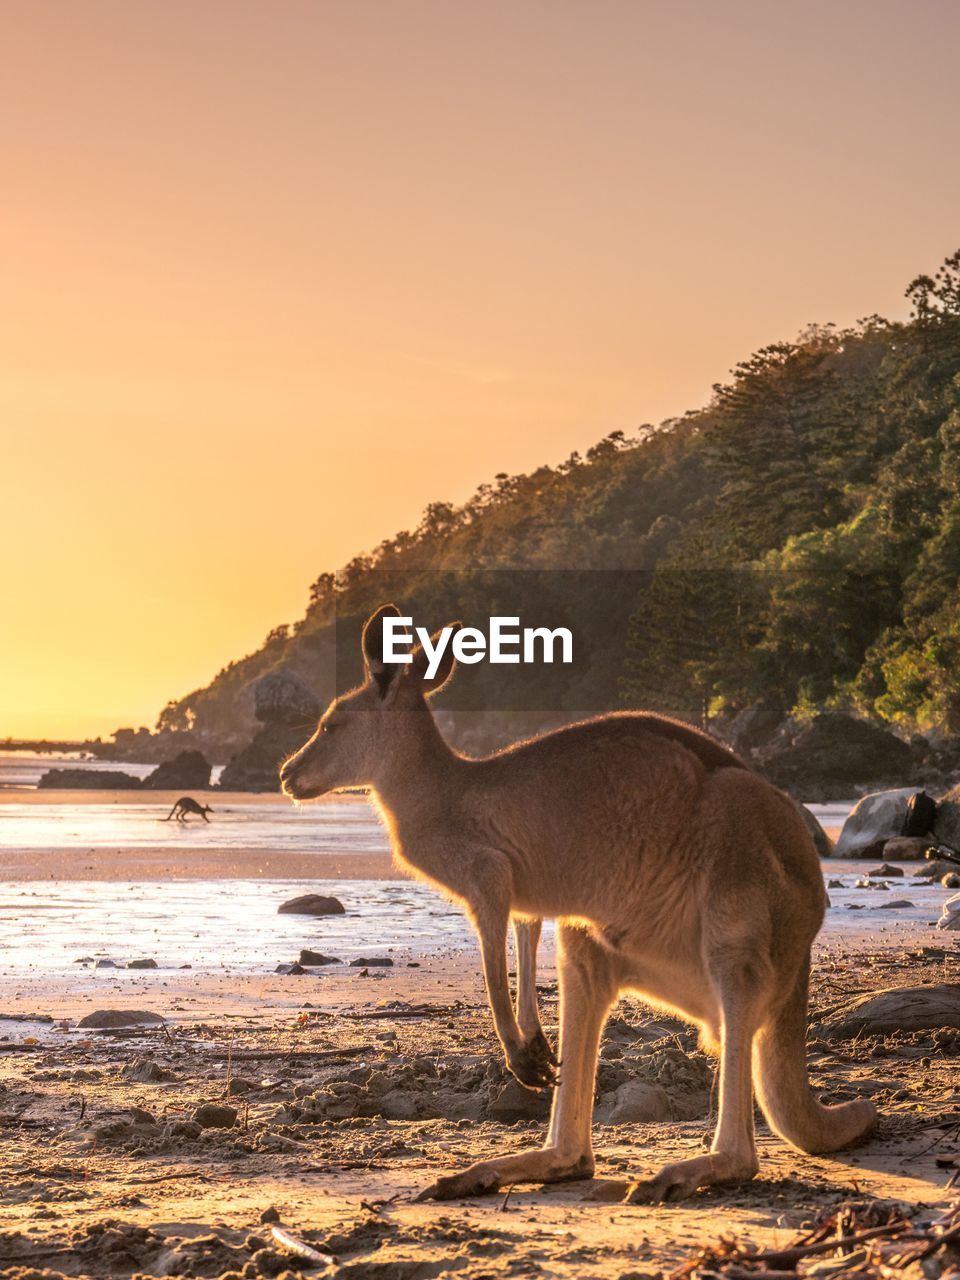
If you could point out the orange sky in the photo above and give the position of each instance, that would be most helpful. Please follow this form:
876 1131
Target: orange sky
273 276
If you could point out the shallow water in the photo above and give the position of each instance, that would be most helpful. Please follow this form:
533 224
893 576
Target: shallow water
215 925
344 826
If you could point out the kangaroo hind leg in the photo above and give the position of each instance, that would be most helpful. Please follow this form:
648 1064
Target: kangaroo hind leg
589 984
741 985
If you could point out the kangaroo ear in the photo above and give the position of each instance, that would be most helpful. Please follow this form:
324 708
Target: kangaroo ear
372 644
446 666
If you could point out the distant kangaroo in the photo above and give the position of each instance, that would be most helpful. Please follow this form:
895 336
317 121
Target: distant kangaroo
185 805
672 869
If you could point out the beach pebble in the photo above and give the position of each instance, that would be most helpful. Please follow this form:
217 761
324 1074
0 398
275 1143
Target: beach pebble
896 905
886 870
269 1215
106 964
375 962
239 1085
312 904
295 969
142 964
139 1116
215 1115
951 880
317 957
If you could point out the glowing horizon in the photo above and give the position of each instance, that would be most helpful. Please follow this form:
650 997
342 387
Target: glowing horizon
274 279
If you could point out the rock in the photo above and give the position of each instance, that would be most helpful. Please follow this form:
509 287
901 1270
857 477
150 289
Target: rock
752 727
290 969
317 957
119 1018
935 869
312 904
88 780
106 964
238 1086
187 771
829 756
269 1215
906 848
139 1116
896 904
281 697
147 1071
288 710
376 962
946 827
215 1115
257 766
636 1101
896 1009
821 841
886 871
141 964
951 880
834 884
874 821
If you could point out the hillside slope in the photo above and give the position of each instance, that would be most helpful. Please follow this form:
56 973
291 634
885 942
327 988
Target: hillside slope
797 541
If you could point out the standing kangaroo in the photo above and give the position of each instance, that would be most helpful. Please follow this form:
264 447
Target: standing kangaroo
672 869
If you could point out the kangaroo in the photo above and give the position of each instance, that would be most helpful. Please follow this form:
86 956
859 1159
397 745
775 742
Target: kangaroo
673 871
185 805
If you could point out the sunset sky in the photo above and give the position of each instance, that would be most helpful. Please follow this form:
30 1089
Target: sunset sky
273 276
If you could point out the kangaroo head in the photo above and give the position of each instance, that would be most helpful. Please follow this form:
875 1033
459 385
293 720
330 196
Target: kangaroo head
371 730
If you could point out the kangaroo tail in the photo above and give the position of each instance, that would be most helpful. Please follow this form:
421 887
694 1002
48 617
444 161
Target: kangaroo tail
783 1088
170 814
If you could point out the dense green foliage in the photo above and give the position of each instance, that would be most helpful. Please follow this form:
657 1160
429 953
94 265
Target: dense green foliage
796 540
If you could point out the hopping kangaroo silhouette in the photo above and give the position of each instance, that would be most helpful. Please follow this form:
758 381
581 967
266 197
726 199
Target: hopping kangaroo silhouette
673 871
185 805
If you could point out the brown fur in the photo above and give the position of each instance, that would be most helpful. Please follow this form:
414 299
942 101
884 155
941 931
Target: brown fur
672 869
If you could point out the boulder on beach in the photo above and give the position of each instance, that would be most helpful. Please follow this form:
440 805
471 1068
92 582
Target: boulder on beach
874 820
906 848
187 771
896 1009
312 904
946 827
376 962
288 710
827 757
106 1018
88 780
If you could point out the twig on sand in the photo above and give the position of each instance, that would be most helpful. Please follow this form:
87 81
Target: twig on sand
301 1249
874 1253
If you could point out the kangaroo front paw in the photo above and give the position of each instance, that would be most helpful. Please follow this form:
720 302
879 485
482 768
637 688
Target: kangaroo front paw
534 1063
478 1180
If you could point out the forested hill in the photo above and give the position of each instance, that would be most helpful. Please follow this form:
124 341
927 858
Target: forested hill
797 541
